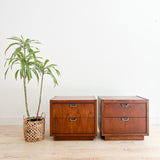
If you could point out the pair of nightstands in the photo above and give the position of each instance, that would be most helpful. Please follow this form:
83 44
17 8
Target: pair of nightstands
120 118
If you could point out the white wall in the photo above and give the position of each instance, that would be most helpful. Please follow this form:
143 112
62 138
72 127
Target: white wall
102 48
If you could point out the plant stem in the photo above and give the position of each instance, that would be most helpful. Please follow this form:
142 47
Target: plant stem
25 88
25 95
40 95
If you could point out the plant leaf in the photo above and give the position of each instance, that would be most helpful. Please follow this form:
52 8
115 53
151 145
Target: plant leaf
46 61
53 77
13 62
16 74
11 59
36 41
51 65
15 53
28 47
16 39
12 44
5 74
36 74
28 72
26 41
6 62
22 38
57 71
22 71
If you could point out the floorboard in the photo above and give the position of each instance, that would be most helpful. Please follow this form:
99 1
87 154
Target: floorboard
13 147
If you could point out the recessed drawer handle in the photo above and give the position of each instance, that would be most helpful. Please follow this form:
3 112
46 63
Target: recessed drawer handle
73 105
124 104
73 119
125 118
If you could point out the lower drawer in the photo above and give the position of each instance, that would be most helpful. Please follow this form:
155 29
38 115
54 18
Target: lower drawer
72 125
124 126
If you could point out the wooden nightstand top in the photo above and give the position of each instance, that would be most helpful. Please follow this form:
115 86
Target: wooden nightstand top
59 98
123 98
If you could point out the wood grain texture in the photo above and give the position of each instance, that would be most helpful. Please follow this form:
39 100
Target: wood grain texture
118 98
124 137
13 147
66 110
123 99
112 113
81 98
70 138
81 125
132 110
147 125
118 126
73 99
63 111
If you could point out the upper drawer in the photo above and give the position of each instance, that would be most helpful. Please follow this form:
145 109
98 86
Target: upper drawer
72 110
124 110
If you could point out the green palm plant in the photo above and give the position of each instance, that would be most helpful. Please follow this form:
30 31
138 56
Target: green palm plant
25 58
46 69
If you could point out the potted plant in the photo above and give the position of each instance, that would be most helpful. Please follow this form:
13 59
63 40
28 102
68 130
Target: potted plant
24 57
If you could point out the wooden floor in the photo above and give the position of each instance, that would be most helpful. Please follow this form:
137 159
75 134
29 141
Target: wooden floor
13 147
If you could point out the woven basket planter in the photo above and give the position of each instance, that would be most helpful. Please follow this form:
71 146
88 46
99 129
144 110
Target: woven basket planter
34 129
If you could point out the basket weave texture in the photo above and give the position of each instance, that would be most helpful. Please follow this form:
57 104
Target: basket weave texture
34 130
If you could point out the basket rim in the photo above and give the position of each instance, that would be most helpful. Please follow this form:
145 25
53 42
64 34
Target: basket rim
39 117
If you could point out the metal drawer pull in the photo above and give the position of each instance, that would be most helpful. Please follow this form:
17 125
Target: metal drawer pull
124 104
73 119
125 118
73 105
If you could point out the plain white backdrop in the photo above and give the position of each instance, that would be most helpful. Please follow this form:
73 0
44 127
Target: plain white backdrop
102 48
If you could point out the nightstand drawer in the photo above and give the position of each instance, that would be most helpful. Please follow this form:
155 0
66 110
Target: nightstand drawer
72 110
124 110
124 125
73 125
